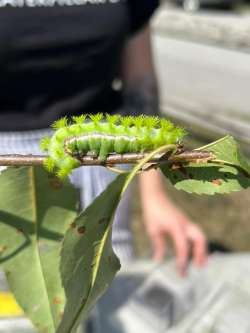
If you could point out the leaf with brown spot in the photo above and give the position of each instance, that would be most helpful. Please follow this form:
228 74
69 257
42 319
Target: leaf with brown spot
89 264
207 178
73 225
19 231
103 220
33 219
81 230
57 300
56 183
89 259
217 182
229 170
3 248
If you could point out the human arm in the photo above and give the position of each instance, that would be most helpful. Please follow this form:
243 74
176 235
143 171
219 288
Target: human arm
161 216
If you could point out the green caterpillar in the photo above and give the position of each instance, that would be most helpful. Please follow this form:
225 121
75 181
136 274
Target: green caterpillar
104 135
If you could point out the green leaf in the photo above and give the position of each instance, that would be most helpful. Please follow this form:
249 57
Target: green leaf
88 263
227 151
34 213
207 178
229 171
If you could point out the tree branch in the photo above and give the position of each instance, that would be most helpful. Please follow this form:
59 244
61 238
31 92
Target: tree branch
178 157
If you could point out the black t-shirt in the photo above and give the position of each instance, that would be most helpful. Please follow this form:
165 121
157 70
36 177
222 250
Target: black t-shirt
60 57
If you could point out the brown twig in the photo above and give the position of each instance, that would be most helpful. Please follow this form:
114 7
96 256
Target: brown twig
179 157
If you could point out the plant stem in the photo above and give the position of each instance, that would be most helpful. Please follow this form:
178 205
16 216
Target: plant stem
185 156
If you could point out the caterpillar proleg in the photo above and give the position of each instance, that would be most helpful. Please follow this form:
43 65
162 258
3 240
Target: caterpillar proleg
103 135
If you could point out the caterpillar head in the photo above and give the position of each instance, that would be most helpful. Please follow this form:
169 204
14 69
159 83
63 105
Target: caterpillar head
66 167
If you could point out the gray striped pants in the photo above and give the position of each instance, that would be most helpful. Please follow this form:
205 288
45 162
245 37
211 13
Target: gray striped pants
90 180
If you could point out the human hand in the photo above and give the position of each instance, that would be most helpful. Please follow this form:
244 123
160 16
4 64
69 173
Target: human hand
163 218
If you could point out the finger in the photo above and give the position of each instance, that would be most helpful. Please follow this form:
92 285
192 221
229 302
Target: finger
181 249
159 246
199 245
200 251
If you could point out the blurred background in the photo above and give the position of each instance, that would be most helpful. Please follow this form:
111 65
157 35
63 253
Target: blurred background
202 57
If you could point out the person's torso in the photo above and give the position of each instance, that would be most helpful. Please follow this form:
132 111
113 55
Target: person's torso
58 57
